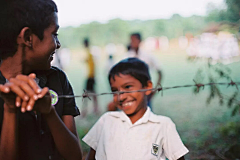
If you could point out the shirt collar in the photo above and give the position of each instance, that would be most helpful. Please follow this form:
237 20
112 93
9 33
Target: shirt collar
119 114
148 116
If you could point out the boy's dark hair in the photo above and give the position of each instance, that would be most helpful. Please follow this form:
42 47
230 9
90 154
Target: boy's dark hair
133 67
86 42
17 14
138 35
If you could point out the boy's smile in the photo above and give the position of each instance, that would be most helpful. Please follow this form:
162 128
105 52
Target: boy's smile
133 104
127 105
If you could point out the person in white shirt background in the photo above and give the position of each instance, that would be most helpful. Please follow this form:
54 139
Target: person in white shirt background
134 50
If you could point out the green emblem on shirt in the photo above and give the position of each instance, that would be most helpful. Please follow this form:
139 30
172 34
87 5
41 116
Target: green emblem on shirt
155 149
54 96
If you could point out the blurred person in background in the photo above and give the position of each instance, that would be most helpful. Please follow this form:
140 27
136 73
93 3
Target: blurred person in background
90 82
111 51
134 50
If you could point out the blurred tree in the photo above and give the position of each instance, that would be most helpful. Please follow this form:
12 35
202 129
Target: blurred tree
233 10
231 13
118 31
215 14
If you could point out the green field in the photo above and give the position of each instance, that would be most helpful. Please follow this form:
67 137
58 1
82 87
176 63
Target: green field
204 128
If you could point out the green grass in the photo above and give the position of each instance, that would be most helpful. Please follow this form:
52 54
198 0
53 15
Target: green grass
203 127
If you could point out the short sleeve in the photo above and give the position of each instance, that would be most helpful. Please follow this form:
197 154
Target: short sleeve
93 136
173 146
69 104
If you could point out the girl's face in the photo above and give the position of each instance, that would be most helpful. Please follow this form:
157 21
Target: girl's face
42 52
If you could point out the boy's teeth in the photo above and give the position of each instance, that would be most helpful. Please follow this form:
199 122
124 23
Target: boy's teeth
127 104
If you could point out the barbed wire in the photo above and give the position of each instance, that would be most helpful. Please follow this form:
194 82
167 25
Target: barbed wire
158 88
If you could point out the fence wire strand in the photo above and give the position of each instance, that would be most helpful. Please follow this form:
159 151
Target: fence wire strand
157 89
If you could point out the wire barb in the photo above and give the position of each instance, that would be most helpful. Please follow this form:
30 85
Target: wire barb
159 88
233 84
85 95
198 85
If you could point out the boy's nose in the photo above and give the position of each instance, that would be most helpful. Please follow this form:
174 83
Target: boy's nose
122 97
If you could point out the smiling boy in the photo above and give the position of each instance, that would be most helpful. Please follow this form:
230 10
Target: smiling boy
135 133
32 127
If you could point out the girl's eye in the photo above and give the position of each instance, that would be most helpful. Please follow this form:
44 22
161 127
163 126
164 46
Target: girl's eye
55 34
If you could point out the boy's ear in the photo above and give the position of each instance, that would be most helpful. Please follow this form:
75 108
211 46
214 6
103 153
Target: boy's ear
25 37
149 86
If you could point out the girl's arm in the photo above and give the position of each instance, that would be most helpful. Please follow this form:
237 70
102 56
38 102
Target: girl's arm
8 141
91 154
64 135
62 128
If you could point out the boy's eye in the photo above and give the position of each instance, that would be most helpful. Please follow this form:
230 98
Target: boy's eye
128 86
55 34
114 90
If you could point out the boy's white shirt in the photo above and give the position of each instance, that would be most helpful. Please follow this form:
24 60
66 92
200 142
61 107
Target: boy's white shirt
114 137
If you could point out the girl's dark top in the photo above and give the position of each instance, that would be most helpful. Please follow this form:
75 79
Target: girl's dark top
35 139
